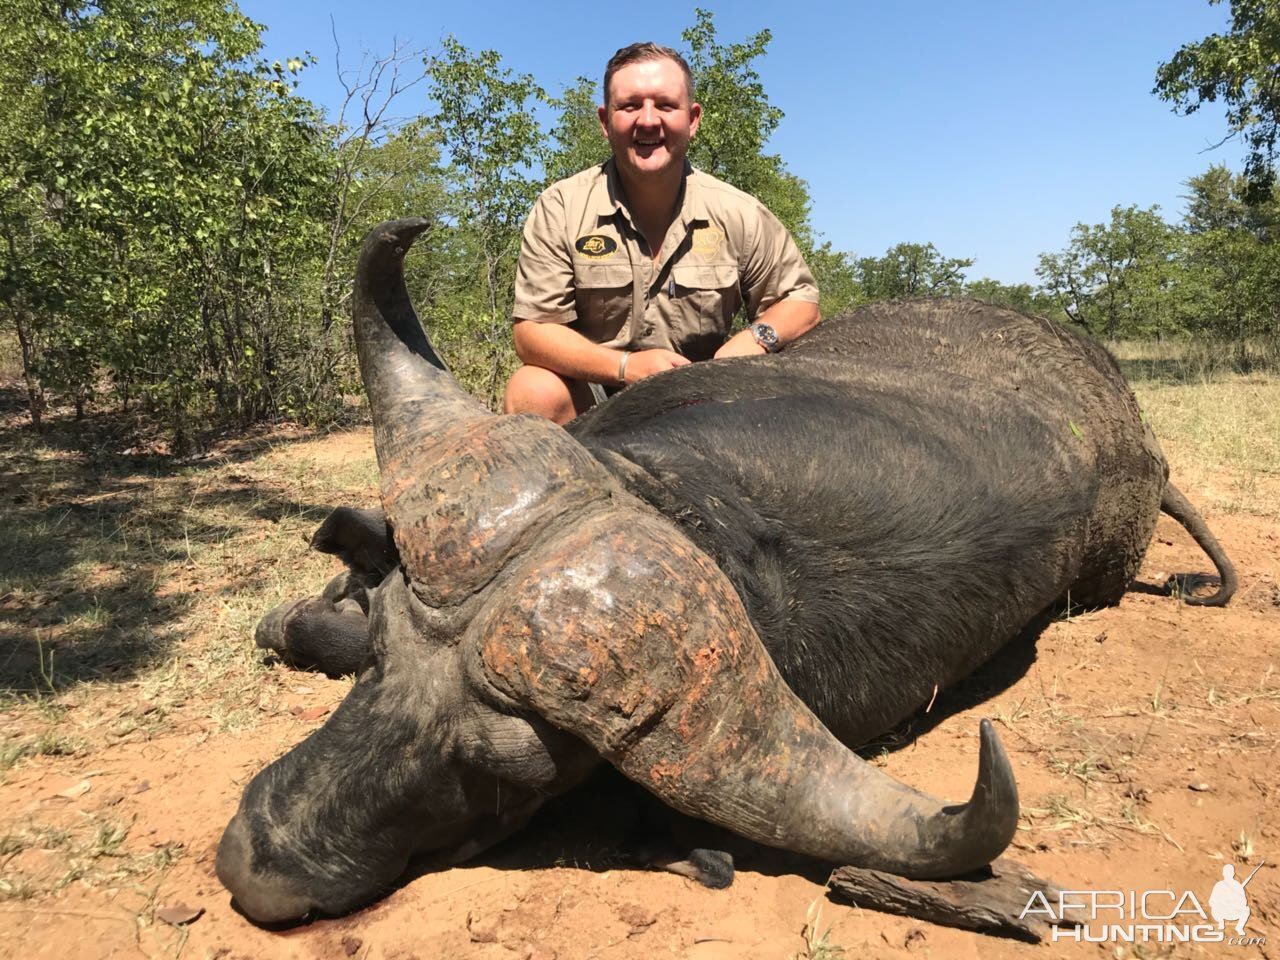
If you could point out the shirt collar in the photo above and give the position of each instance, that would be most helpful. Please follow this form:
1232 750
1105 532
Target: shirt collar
692 203
693 208
609 200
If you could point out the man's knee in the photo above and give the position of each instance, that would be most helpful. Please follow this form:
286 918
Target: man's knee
538 390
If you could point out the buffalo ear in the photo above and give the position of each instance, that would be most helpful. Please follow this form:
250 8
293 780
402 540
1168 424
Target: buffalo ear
361 539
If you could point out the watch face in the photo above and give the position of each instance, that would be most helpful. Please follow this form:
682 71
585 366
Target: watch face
765 335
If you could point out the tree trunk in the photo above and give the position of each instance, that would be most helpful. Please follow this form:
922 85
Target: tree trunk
1242 363
35 390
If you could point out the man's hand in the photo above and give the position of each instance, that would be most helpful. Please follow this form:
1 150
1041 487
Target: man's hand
645 363
741 344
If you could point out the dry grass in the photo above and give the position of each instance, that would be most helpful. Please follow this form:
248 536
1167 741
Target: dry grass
1195 361
817 941
153 573
1220 429
94 852
128 596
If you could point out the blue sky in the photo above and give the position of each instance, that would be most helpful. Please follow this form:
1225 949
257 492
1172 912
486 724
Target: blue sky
987 128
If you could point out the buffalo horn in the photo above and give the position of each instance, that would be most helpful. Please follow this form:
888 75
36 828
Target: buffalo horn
410 389
626 635
463 490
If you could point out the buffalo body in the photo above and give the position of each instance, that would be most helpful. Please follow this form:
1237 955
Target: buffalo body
868 516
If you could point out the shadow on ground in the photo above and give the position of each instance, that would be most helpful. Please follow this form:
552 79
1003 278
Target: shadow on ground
611 823
1183 371
108 549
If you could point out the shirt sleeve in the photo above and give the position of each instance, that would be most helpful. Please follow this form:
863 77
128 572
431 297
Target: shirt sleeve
774 269
544 288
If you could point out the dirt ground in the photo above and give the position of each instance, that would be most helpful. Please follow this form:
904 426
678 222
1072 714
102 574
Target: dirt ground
1144 739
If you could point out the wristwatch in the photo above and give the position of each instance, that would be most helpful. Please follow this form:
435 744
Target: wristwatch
766 336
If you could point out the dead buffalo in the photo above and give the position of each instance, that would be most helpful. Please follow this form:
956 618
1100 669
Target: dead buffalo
716 582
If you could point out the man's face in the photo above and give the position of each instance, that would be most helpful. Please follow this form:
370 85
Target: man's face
648 117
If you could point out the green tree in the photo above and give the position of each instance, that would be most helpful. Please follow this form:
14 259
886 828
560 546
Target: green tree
1019 296
484 122
836 274
402 175
1220 200
158 191
1242 69
1231 275
911 270
737 121
1116 279
577 142
383 168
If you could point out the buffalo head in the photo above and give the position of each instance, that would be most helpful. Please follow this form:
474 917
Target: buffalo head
542 620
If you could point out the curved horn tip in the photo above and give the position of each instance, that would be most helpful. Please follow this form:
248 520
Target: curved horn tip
995 795
403 230
995 773
398 234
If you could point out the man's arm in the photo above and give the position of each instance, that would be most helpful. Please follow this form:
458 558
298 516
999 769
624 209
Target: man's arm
789 319
565 351
774 274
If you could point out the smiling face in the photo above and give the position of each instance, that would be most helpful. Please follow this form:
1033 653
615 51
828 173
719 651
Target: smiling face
649 119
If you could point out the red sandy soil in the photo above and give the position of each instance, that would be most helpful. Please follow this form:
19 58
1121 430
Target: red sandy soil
1144 738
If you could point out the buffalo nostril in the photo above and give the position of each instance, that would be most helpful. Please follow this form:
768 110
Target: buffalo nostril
262 897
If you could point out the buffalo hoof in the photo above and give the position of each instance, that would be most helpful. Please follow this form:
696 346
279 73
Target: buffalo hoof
711 868
269 634
317 634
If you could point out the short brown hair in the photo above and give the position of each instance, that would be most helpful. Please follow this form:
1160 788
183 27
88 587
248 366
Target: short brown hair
644 53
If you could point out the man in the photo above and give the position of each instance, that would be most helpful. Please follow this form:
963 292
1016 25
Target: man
639 265
1228 901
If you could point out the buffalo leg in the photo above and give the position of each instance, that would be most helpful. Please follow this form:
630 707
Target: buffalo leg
670 841
329 633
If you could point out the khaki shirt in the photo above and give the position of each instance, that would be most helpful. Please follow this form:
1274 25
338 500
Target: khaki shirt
584 263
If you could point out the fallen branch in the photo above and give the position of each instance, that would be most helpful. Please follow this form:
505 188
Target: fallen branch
988 900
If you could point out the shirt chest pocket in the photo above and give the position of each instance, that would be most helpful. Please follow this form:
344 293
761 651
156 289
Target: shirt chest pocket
707 295
603 297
